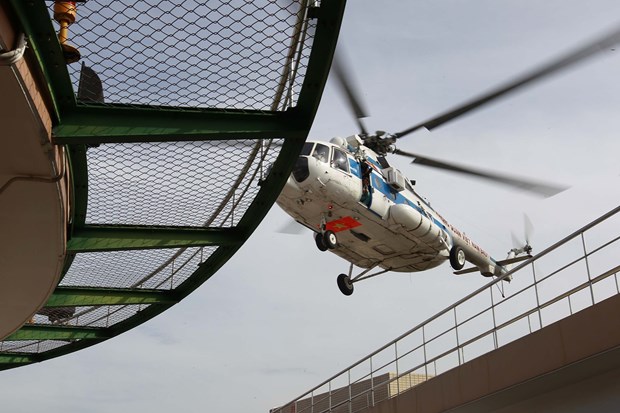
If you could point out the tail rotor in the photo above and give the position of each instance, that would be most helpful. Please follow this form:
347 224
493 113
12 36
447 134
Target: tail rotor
523 247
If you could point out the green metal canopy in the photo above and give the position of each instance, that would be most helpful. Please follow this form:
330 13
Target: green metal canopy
205 108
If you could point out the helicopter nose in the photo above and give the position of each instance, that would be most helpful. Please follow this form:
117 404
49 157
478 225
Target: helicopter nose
300 170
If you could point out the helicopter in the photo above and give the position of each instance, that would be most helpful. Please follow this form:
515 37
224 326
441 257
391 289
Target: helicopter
367 212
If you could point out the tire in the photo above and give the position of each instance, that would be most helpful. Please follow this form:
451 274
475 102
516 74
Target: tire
330 240
457 258
344 284
320 242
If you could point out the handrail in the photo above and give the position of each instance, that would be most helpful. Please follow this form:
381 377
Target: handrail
457 326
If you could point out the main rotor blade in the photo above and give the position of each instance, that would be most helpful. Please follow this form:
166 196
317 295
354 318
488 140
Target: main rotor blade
569 59
345 82
539 188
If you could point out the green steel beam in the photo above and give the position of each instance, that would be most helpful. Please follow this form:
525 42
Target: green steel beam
121 124
56 332
81 296
16 358
90 238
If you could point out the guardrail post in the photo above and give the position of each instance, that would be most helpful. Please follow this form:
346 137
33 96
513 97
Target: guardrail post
397 373
372 385
424 348
537 297
585 257
456 332
330 395
495 342
350 391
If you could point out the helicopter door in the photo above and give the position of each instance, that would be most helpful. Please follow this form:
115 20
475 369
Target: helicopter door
378 202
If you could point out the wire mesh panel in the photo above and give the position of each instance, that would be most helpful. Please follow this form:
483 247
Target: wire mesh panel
176 183
95 316
30 346
227 54
155 268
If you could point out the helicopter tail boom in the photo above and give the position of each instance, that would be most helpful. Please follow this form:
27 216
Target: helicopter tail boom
499 267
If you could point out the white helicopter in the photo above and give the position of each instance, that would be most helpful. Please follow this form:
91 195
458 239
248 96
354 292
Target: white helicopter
366 211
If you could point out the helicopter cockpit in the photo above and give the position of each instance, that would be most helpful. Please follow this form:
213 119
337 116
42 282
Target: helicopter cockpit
325 153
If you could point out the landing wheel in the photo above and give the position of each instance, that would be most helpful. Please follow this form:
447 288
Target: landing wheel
457 258
330 240
320 242
345 284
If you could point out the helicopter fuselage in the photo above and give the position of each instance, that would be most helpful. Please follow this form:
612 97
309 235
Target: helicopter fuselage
378 218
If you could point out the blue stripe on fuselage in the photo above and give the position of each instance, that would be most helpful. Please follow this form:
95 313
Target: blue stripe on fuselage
398 198
355 168
380 185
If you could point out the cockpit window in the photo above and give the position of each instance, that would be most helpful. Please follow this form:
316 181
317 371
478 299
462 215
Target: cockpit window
340 161
307 149
321 152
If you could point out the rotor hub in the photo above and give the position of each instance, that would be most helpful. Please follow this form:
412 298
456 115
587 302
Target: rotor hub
381 142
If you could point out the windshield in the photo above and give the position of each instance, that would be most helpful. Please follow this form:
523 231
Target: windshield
321 152
340 161
307 149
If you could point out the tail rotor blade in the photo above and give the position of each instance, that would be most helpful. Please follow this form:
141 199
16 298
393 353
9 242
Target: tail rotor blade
528 228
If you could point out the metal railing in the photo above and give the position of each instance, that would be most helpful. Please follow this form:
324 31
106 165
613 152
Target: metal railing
550 286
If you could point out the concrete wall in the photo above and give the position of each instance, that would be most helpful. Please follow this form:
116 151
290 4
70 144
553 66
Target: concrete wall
571 365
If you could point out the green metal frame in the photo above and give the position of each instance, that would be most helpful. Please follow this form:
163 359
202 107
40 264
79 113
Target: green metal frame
76 296
76 125
53 332
104 124
90 238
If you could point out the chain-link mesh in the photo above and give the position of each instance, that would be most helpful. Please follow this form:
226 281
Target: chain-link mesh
100 316
154 268
215 54
176 183
30 346
162 269
89 316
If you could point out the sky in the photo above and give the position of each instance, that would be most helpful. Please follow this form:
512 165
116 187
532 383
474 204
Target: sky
272 323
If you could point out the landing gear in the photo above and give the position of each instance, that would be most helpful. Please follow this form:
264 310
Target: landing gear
330 239
326 240
345 284
320 242
345 281
457 258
